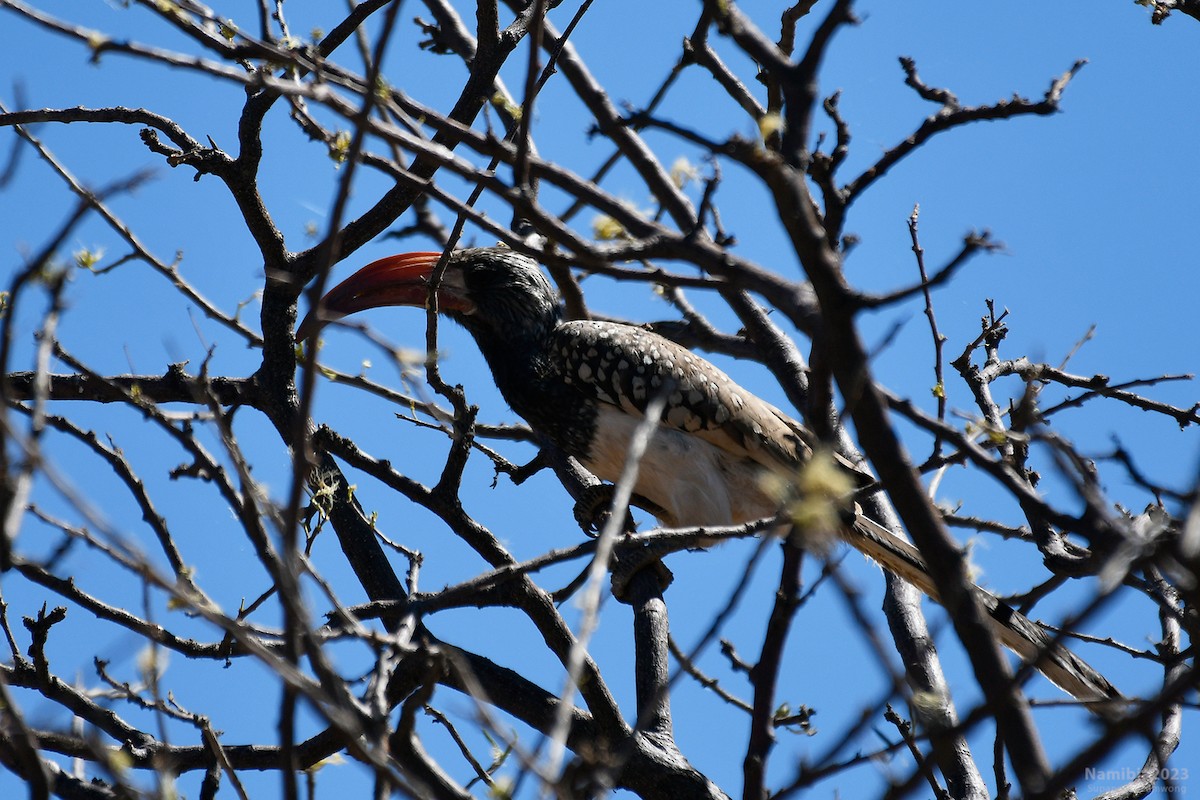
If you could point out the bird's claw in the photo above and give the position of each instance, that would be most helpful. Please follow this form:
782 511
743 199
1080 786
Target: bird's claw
594 507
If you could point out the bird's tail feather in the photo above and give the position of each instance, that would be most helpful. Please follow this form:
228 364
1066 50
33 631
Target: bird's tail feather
1015 631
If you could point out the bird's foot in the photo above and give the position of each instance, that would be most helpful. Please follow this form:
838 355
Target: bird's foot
592 511
594 507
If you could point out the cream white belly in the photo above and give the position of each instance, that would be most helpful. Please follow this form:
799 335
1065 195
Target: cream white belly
695 482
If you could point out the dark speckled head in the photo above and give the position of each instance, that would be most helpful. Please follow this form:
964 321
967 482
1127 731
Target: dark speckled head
511 296
492 291
502 298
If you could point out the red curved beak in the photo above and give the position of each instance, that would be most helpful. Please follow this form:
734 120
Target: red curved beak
400 280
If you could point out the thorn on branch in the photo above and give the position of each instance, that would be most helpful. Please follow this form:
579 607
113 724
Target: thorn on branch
203 159
518 474
193 470
736 662
39 630
438 42
787 24
944 97
993 332
1054 93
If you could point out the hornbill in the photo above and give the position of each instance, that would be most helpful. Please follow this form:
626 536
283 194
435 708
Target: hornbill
585 386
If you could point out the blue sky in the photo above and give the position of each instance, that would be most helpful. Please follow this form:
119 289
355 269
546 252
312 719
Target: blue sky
1096 206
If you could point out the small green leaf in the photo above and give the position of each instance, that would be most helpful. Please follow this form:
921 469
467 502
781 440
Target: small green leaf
339 148
607 229
88 258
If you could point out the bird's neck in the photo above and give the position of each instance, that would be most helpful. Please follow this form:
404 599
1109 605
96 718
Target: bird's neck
518 362
527 371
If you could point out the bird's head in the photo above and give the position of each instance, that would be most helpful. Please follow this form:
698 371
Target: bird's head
492 291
